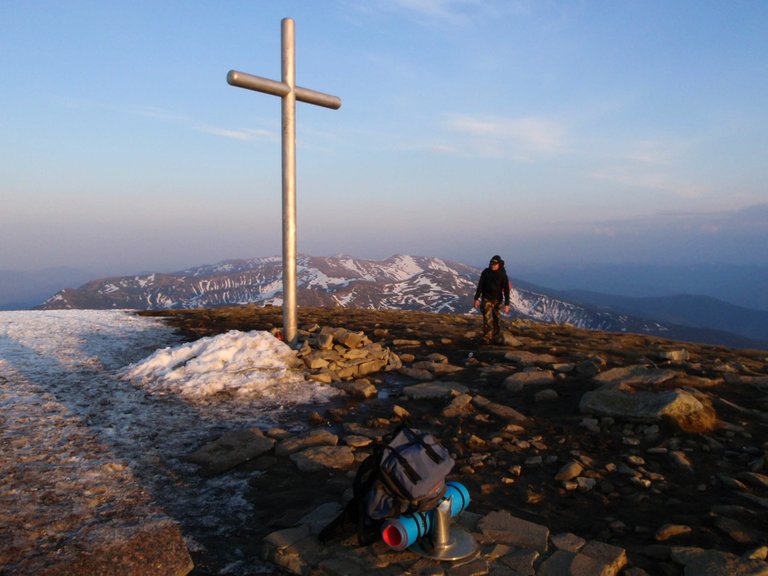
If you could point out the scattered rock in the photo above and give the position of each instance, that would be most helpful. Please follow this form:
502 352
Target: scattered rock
433 390
716 563
525 358
623 401
594 558
508 340
675 355
404 343
570 471
460 405
567 541
520 380
546 395
360 389
635 375
416 373
322 457
230 450
499 410
755 479
400 412
738 532
681 459
356 441
315 438
501 526
671 531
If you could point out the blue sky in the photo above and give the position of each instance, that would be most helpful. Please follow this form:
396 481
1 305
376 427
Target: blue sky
549 132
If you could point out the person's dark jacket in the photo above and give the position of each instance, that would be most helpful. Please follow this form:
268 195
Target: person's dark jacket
493 286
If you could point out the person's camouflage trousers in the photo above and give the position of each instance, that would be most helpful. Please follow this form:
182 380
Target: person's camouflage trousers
491 316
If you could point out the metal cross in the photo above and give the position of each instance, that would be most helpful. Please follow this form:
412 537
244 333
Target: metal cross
289 93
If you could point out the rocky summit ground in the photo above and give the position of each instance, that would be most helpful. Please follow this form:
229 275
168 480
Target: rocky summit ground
652 446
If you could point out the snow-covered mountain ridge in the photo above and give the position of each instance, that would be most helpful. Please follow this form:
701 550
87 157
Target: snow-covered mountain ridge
399 282
402 282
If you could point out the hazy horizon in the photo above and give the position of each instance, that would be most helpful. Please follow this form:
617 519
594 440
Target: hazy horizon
739 285
552 133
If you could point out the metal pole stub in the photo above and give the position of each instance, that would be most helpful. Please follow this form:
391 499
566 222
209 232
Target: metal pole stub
446 541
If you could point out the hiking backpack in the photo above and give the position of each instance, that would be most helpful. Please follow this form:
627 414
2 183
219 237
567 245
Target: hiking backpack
405 473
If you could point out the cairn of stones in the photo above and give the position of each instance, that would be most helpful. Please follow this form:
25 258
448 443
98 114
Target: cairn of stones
338 356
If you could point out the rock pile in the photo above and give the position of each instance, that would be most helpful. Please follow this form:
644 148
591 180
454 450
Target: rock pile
340 355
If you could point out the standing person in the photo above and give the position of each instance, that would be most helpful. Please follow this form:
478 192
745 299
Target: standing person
492 288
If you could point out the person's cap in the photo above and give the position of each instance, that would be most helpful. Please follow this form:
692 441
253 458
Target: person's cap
496 259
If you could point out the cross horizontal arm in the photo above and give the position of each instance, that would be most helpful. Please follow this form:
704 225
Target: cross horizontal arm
251 82
259 84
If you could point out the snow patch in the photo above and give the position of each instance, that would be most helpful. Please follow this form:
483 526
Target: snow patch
439 264
353 266
143 281
251 364
406 267
317 279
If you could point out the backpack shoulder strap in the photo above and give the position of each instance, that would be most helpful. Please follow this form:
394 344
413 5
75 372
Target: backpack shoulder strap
420 438
353 518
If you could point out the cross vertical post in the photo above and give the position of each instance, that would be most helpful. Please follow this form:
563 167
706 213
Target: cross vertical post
288 106
289 94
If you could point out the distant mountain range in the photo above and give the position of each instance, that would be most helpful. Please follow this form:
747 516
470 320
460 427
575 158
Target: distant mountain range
683 310
417 283
743 285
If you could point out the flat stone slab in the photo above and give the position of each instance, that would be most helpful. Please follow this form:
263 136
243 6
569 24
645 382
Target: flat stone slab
318 458
756 381
433 390
361 389
716 563
525 358
634 375
501 411
318 438
436 367
613 557
579 564
416 373
501 526
458 406
568 542
230 450
516 382
619 401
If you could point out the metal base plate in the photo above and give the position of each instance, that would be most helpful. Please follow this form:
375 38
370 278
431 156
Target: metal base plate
461 545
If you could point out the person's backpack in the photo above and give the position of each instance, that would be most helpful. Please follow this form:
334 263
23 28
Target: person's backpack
404 474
